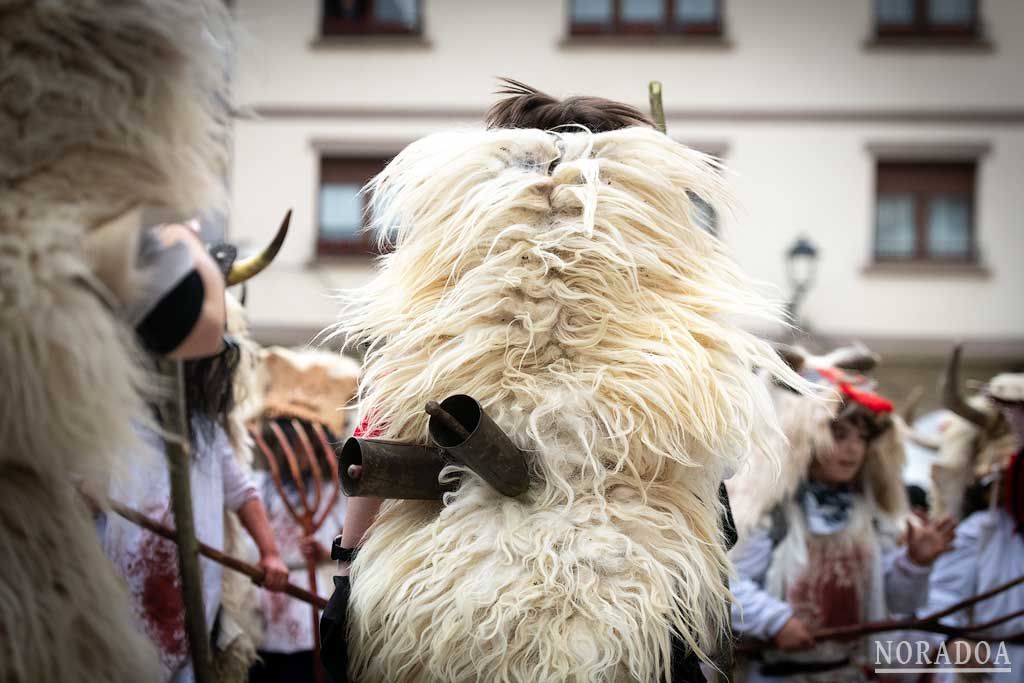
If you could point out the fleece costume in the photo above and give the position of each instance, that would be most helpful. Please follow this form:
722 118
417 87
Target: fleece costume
562 280
980 451
828 555
108 108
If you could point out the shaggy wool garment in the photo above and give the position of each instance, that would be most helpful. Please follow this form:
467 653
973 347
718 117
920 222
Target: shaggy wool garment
969 455
564 281
108 107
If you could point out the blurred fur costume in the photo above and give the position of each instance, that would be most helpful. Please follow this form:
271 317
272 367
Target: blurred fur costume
976 442
108 107
308 384
826 555
979 478
806 426
562 280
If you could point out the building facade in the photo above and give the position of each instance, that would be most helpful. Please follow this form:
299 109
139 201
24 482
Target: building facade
887 133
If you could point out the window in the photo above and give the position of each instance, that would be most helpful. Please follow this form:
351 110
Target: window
342 207
347 17
926 18
925 212
596 17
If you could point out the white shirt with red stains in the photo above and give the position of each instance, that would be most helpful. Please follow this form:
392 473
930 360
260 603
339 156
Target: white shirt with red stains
148 562
857 573
288 622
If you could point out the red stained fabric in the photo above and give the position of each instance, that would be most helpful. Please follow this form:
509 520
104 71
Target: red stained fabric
830 592
163 610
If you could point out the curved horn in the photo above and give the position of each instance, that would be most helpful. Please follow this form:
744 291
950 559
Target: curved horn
248 268
857 358
951 396
909 411
931 443
793 357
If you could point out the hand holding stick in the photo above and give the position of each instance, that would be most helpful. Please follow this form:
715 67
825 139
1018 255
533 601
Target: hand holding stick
252 571
929 623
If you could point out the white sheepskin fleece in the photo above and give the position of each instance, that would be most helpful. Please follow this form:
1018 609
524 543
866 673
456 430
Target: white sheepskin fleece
761 483
108 107
563 281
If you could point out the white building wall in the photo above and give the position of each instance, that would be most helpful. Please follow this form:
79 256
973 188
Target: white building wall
793 100
785 54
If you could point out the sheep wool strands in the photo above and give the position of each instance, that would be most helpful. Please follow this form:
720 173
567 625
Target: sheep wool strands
563 280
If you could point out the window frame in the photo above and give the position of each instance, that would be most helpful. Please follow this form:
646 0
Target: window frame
927 179
921 27
619 27
338 27
348 169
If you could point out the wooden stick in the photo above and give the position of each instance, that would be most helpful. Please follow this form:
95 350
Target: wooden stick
174 416
928 623
434 409
657 107
252 571
997 621
977 598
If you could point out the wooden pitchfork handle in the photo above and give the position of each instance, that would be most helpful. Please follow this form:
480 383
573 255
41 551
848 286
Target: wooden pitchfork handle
250 570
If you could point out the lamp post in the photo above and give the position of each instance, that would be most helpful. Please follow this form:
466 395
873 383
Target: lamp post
801 267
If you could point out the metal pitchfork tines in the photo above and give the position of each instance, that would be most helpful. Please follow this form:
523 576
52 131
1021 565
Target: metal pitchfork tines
310 512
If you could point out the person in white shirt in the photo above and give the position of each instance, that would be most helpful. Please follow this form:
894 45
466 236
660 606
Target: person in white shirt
981 449
218 482
287 648
827 552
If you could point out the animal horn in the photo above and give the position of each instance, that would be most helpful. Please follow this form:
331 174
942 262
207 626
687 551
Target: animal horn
909 411
920 439
856 358
951 396
248 268
794 357
657 107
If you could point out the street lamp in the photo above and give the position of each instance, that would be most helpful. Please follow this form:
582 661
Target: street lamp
801 266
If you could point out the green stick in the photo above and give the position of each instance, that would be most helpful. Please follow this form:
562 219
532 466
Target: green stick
175 423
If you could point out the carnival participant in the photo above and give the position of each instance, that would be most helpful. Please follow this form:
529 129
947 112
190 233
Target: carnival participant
980 475
178 311
108 109
823 548
553 267
219 482
302 390
286 648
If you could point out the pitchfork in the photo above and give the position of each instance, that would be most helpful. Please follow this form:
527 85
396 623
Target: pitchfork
308 514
